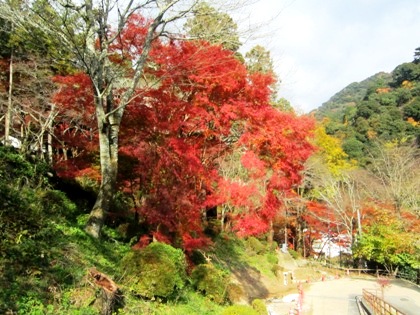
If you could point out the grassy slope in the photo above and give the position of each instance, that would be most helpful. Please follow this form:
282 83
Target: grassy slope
45 255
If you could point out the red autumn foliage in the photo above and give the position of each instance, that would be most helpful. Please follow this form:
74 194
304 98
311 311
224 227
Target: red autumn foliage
173 132
75 127
255 166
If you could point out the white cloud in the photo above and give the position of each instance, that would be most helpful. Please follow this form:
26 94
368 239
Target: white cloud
319 47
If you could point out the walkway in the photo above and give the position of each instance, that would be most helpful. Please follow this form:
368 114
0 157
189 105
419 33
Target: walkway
337 297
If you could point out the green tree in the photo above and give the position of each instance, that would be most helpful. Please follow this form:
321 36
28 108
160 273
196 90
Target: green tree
417 55
403 95
353 148
387 242
213 26
367 108
409 71
258 59
413 110
283 105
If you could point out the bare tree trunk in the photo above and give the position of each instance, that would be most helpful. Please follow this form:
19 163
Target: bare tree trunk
270 236
359 223
49 136
9 112
299 241
222 218
108 151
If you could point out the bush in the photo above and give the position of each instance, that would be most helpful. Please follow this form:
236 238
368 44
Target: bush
210 281
277 270
259 306
55 202
254 245
158 270
235 292
240 310
18 172
272 258
273 246
294 254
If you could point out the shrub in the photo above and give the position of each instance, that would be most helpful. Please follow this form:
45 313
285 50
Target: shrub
235 292
240 310
55 202
158 270
273 246
210 281
277 270
259 306
272 258
294 254
254 245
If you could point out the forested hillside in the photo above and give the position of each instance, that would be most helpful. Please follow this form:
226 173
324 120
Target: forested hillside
384 107
145 165
337 106
376 124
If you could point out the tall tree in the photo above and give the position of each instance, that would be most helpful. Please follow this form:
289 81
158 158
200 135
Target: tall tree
89 30
214 26
28 83
258 59
396 166
389 239
333 182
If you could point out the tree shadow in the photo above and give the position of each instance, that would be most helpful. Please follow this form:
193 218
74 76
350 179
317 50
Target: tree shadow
229 254
250 281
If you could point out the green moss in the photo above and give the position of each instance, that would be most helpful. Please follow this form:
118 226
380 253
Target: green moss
210 281
159 270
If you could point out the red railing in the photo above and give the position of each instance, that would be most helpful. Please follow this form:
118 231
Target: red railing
378 306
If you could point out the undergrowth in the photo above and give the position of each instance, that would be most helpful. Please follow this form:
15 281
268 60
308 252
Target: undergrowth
45 255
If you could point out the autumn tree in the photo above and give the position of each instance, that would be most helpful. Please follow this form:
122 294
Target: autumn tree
27 72
89 30
330 151
269 143
396 166
177 131
192 133
331 180
390 240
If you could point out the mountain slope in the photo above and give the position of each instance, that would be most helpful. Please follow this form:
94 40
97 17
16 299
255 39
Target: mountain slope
352 94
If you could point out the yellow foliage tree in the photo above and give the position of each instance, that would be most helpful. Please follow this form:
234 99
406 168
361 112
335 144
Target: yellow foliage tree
330 150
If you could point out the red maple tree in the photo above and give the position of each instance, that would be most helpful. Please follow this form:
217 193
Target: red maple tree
176 130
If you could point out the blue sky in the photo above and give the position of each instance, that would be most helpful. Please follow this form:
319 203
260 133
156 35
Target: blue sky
320 46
